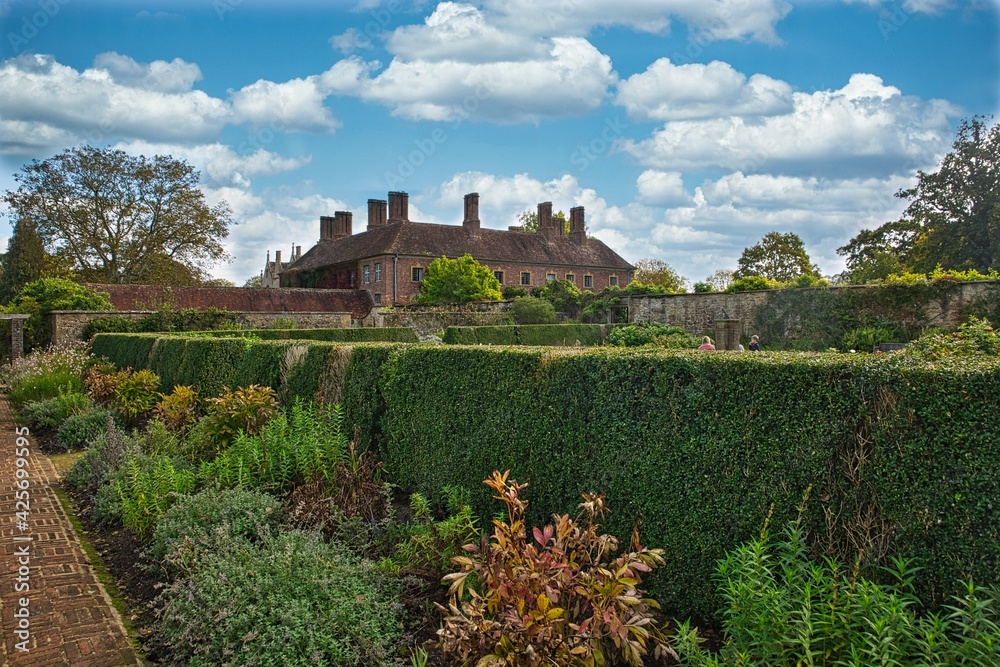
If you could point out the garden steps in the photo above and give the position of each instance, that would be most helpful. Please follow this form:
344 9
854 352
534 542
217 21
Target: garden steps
72 620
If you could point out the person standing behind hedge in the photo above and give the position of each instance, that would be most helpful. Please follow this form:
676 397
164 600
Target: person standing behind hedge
754 343
706 344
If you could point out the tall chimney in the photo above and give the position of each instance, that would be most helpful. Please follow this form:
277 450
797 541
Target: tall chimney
325 228
376 213
298 252
341 224
545 219
577 226
471 211
277 258
399 207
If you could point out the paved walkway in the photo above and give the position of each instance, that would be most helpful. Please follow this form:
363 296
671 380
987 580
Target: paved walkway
53 609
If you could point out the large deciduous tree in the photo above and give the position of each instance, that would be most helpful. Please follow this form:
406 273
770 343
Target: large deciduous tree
112 215
458 281
952 220
657 272
780 257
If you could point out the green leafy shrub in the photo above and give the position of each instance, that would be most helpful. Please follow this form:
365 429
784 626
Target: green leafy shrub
198 523
430 544
750 283
557 595
44 295
306 444
78 431
158 440
513 291
703 288
562 294
291 600
146 492
101 382
973 338
864 339
531 310
460 336
179 409
784 609
652 333
50 413
135 393
103 457
245 410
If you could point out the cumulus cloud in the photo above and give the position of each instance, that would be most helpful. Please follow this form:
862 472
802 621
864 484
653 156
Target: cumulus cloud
666 91
662 188
294 105
25 138
117 97
349 41
720 19
865 128
221 165
572 79
456 31
176 76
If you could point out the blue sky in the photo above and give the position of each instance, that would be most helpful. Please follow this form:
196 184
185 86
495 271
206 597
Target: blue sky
687 128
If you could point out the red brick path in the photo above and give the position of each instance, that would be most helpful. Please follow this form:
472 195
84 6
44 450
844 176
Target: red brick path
71 620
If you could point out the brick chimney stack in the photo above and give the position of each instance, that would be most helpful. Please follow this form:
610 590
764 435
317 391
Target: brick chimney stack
399 207
325 228
545 219
277 257
377 213
341 226
577 226
471 211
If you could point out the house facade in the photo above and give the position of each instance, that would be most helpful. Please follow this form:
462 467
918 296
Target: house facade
390 257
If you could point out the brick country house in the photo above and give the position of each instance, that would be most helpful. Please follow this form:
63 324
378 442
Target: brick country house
389 258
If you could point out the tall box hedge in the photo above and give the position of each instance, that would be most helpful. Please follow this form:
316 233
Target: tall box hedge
898 457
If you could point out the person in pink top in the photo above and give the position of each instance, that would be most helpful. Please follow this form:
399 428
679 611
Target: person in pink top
706 344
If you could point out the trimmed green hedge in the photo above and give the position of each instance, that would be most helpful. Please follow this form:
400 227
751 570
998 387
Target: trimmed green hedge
901 456
352 335
701 447
564 335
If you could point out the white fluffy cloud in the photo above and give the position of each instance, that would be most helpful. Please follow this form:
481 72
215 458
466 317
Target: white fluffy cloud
295 105
176 76
719 19
572 79
117 97
908 6
662 188
666 91
350 40
221 165
864 128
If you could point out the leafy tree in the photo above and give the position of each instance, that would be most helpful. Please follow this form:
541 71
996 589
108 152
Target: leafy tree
564 296
458 281
529 221
780 257
254 282
720 280
532 310
952 220
25 260
657 272
876 254
111 214
957 208
703 287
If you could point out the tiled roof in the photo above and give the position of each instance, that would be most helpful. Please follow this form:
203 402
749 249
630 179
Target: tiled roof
240 299
486 245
